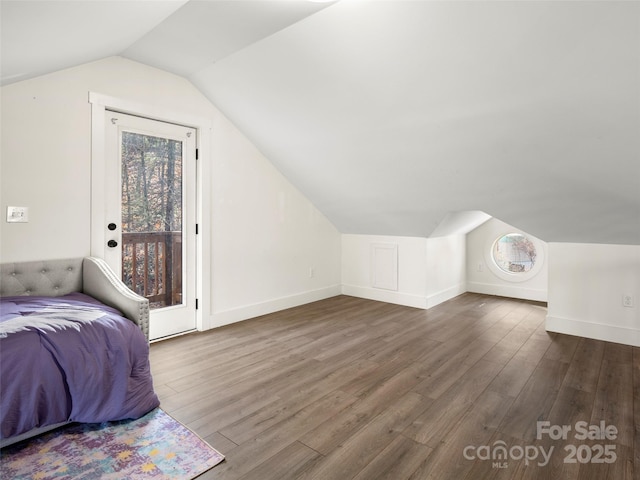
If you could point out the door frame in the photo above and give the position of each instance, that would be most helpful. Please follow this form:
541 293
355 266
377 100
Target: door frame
179 316
203 126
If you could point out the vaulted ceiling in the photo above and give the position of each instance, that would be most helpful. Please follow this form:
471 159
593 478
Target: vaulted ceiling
396 117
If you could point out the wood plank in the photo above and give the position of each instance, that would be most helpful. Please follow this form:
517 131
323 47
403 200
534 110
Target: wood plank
513 377
509 341
396 462
367 443
388 366
535 400
571 406
247 456
242 428
349 388
614 400
474 430
449 408
223 369
332 434
533 349
443 377
221 395
562 347
584 370
287 464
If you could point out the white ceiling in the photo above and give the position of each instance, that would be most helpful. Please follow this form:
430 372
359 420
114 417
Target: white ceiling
395 116
43 36
181 36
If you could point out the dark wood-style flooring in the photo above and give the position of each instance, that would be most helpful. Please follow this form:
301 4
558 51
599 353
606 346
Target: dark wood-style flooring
347 388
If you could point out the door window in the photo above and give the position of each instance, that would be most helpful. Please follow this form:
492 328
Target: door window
152 217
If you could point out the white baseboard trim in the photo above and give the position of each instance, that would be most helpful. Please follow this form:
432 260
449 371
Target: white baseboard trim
226 317
446 294
219 319
596 331
388 296
512 291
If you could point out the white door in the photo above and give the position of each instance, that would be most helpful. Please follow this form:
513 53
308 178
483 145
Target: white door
151 216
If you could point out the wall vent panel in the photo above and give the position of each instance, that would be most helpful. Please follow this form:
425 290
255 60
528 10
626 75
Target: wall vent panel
384 266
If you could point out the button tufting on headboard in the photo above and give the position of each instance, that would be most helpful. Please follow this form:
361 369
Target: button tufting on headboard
48 277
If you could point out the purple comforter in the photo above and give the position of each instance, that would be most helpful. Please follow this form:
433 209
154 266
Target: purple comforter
70 358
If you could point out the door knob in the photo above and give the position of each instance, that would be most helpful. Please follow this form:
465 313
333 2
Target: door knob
112 226
112 243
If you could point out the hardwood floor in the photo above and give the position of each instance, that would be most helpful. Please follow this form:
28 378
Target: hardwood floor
348 388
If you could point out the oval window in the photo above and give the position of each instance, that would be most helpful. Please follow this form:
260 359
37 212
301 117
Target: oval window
514 253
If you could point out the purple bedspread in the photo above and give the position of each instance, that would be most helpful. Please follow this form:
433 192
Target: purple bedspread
70 358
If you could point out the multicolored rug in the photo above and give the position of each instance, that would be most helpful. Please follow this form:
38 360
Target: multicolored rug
155 446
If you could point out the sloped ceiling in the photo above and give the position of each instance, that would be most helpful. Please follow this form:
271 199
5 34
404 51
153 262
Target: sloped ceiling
40 37
392 116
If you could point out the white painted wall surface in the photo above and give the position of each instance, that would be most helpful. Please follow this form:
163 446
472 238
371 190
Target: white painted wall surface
261 234
446 268
357 269
587 283
272 249
430 270
46 149
482 276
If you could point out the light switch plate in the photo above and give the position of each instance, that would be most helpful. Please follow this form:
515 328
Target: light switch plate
17 214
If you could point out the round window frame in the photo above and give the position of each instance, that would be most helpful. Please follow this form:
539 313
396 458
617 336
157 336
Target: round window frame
515 277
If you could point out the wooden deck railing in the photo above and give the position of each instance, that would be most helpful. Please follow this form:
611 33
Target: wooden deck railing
152 266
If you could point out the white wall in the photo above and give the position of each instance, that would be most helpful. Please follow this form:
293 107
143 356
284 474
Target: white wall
446 268
411 275
483 276
272 249
430 270
262 235
586 286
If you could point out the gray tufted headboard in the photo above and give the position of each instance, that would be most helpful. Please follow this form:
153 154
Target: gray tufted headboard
50 278
89 275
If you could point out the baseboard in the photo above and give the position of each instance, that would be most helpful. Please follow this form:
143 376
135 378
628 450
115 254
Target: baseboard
388 296
219 319
246 312
444 295
511 291
596 331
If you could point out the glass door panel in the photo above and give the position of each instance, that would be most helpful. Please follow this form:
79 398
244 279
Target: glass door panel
152 243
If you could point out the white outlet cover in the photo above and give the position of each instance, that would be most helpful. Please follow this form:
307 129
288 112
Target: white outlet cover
17 214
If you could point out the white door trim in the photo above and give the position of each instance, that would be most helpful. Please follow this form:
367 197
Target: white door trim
99 104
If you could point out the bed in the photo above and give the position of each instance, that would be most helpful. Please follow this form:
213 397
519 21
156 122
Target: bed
73 347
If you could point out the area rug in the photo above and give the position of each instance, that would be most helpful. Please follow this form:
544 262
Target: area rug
155 446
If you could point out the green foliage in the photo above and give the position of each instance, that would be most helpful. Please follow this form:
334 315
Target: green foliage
151 204
151 183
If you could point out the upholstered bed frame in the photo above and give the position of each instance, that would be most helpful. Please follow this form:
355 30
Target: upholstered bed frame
53 278
88 275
